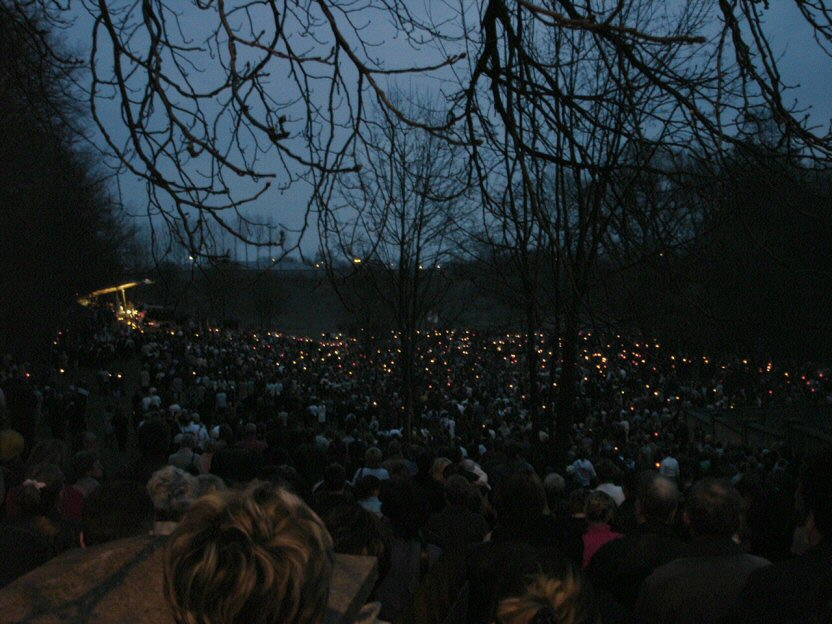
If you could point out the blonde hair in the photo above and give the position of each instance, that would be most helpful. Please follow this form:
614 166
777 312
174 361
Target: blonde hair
599 507
437 471
260 556
566 598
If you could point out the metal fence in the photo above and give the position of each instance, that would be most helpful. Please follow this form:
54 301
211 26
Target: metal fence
806 428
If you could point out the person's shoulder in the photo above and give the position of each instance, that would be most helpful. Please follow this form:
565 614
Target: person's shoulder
668 571
815 564
434 520
766 578
782 591
752 562
610 553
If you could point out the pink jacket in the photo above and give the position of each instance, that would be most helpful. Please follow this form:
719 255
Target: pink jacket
596 536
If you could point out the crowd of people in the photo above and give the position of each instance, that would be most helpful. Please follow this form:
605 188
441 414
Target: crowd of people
258 455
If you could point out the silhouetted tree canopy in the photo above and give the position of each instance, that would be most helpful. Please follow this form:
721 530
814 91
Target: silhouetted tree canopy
60 232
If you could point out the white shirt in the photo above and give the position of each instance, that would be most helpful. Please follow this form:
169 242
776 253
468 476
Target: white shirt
380 473
200 433
669 468
221 400
185 458
584 471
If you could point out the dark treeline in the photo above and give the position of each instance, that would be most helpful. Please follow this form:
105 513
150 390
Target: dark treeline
754 281
60 231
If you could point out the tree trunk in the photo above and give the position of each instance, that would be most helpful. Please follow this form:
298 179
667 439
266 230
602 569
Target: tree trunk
564 414
532 371
406 363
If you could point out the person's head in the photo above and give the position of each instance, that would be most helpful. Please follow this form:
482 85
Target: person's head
520 498
459 491
251 430
713 509
153 438
258 556
41 490
423 459
437 471
207 483
555 487
187 441
173 491
356 531
225 434
11 445
88 441
607 472
87 464
815 496
212 446
50 451
577 502
630 484
373 457
394 449
366 487
599 507
401 505
657 499
236 465
561 599
114 511
335 478
554 484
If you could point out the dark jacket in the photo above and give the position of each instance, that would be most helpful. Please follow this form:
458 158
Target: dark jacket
21 551
31 541
456 526
698 588
790 591
500 567
620 566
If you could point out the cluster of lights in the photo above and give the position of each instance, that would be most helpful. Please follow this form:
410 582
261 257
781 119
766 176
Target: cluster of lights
441 355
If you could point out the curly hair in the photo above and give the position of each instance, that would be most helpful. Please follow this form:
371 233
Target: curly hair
259 556
562 599
173 491
356 531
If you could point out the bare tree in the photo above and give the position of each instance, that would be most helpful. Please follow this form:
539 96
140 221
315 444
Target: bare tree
213 102
220 100
395 225
508 251
572 109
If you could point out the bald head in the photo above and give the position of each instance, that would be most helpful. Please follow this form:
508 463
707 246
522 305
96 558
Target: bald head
657 499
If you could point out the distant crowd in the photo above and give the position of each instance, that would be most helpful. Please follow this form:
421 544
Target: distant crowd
257 455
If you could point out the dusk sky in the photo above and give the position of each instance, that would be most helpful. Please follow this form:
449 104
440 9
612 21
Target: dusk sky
803 66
